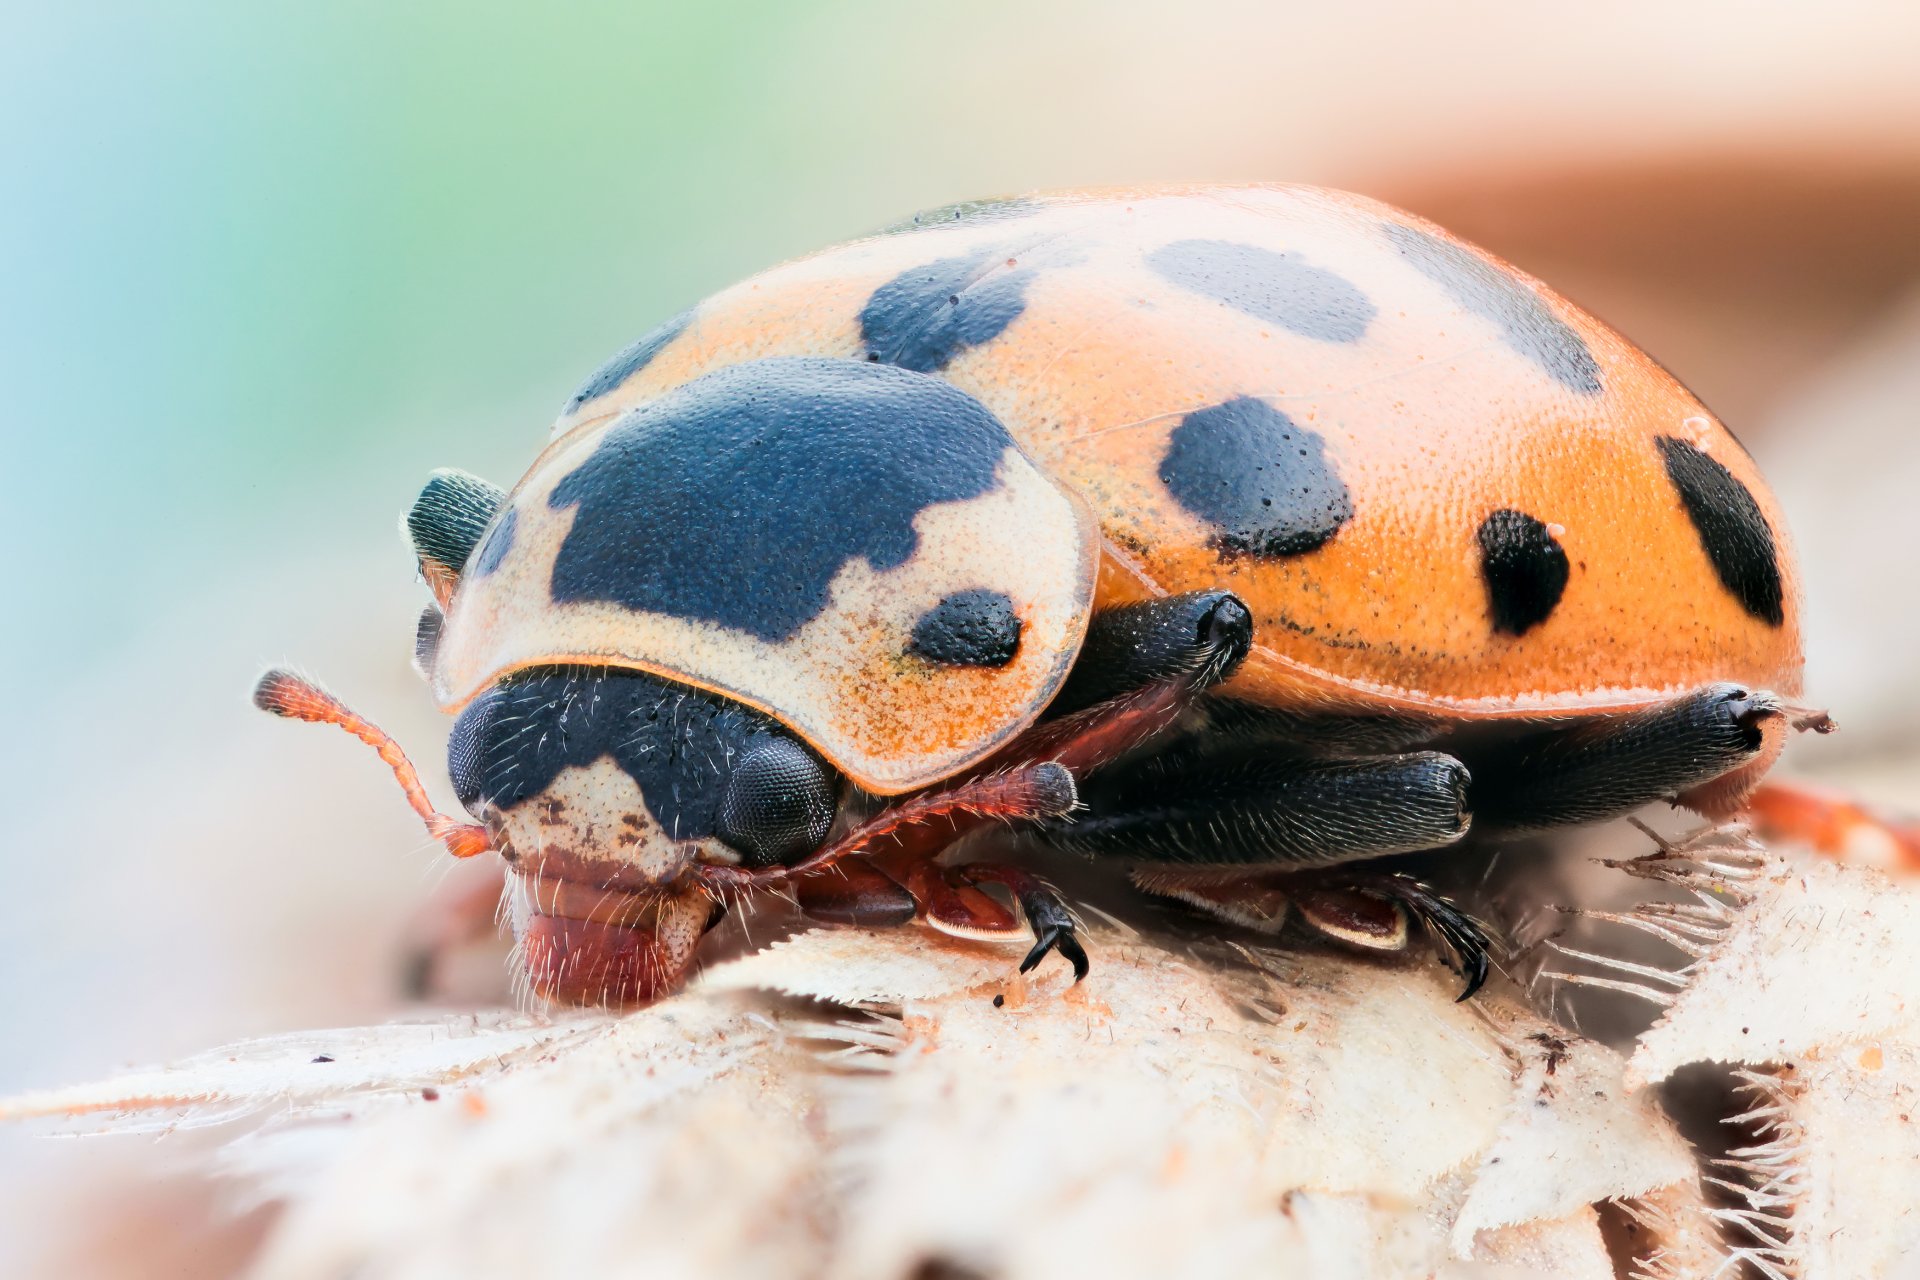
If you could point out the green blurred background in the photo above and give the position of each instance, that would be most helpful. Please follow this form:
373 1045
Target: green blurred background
263 266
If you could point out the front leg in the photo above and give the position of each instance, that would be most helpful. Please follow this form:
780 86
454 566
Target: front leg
1046 912
861 892
1147 666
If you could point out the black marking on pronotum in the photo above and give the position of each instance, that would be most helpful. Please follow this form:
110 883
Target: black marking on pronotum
1527 324
1279 288
1260 479
499 541
1732 529
973 628
1525 570
631 360
925 316
452 511
967 212
737 498
682 746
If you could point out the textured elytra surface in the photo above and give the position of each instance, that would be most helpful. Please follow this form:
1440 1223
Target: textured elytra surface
1424 387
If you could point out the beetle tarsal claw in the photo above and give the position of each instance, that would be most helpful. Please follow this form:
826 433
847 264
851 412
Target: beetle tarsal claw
1057 938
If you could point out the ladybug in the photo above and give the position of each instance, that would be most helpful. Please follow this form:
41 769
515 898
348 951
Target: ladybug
1237 536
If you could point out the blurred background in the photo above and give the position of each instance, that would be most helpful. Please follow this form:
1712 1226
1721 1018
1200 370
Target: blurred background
263 267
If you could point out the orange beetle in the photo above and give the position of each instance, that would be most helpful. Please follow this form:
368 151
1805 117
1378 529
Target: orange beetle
1238 535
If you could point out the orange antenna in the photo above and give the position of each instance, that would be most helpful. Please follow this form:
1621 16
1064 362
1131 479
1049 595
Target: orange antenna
286 694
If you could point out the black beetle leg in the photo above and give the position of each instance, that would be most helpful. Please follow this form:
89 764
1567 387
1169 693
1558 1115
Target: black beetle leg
1466 944
1046 912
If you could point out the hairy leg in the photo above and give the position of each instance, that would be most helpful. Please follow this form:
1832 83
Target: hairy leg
1704 749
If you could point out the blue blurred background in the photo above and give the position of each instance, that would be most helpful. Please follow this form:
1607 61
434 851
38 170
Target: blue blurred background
262 267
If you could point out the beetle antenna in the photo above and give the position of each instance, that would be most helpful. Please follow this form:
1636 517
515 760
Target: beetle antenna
285 694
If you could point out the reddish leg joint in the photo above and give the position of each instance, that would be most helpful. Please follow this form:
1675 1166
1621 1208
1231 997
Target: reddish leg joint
1834 823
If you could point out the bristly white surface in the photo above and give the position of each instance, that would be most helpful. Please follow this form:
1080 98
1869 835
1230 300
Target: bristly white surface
853 1103
1804 973
856 1104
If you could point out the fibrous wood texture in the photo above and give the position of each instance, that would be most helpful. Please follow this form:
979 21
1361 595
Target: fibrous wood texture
896 1104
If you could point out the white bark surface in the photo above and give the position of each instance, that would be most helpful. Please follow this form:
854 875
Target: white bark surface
854 1103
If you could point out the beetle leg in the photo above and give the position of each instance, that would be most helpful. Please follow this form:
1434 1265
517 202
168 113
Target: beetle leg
1465 942
950 900
1252 900
1373 911
1835 824
950 903
1033 778
1246 806
1131 646
1705 750
1024 793
1354 916
1183 646
1046 912
855 891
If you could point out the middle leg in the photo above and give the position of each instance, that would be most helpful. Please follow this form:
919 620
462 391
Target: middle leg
1247 834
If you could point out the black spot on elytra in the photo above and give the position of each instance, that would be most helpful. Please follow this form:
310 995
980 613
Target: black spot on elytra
452 511
1261 480
965 212
499 541
1732 529
975 628
1527 324
1525 570
681 745
737 498
631 360
927 315
1279 288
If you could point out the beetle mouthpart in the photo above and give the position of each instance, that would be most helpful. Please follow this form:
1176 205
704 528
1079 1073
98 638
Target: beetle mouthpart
285 694
581 944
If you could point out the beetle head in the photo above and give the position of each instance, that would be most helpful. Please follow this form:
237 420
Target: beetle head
621 780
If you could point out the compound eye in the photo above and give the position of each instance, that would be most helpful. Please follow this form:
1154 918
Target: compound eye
467 751
778 804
